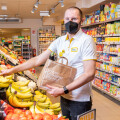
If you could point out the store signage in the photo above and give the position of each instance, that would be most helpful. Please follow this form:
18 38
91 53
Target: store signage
89 115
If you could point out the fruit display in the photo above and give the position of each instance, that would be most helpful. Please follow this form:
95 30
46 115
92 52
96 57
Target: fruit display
5 81
11 57
8 54
10 113
18 114
43 104
21 94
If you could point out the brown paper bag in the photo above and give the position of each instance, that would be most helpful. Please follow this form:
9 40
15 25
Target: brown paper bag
56 74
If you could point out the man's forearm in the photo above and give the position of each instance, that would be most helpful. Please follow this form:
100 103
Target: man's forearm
80 81
31 63
87 76
24 66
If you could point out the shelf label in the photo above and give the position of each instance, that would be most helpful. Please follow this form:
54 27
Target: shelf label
89 115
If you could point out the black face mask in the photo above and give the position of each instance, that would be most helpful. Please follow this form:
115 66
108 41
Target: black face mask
71 27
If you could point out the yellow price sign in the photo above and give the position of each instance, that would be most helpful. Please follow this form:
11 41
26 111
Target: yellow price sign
89 115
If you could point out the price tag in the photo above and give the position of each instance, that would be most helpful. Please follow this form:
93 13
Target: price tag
89 115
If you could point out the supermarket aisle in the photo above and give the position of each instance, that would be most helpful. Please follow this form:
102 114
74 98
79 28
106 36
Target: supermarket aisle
105 108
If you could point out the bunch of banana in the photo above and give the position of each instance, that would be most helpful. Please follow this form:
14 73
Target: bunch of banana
20 104
23 96
37 109
22 83
56 108
44 104
41 110
45 107
5 81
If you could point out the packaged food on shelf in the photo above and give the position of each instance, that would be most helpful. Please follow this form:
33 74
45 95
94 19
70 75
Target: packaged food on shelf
108 87
107 12
46 36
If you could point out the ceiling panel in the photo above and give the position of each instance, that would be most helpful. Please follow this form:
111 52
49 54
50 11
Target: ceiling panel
22 8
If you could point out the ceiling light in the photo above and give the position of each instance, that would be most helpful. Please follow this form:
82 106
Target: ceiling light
32 11
3 7
61 1
44 13
53 10
3 15
62 5
37 3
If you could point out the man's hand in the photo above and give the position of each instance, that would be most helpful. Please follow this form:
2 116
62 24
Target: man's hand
55 91
6 72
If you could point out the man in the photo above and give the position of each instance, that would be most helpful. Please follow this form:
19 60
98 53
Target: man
79 49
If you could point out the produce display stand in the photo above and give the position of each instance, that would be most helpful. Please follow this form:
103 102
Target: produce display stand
19 91
15 62
30 75
9 58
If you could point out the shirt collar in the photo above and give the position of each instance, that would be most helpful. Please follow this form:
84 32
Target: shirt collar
75 36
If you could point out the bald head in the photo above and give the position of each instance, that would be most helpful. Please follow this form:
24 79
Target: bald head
76 10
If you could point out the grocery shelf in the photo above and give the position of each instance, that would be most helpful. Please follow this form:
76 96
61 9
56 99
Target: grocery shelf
46 40
47 36
26 49
17 45
117 98
108 81
98 23
107 71
97 35
26 52
12 60
109 62
99 51
110 35
108 43
113 53
117 43
99 42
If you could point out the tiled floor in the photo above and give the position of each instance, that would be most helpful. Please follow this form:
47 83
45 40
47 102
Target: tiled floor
106 109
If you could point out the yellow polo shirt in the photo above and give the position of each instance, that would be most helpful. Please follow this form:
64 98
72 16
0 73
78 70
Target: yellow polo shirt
80 48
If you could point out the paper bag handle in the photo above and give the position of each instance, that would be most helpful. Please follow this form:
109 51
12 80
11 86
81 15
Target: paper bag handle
62 60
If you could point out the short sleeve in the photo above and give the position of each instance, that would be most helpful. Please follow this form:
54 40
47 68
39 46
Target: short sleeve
88 49
53 45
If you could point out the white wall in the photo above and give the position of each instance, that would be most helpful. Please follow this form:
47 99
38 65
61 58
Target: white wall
52 21
33 24
25 32
87 3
